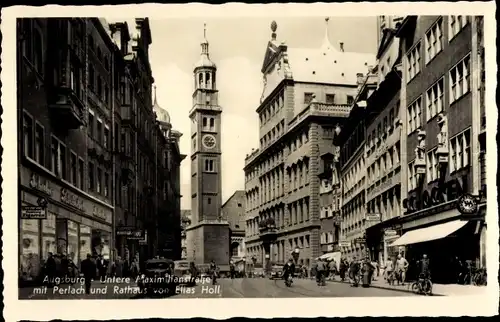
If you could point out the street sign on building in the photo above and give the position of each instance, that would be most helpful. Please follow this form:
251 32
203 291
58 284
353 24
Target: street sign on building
390 232
360 240
344 243
33 212
372 217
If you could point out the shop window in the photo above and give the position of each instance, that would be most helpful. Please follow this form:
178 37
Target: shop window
85 242
28 135
73 241
49 236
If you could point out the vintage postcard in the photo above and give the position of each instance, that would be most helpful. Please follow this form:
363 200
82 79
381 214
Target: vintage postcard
179 160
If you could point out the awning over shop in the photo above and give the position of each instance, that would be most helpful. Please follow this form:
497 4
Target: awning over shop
429 233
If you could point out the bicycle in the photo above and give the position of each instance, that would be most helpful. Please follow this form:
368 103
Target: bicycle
422 286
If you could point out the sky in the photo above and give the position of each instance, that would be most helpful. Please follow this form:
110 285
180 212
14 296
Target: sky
237 46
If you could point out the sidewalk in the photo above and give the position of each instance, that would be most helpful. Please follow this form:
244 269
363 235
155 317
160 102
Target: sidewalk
437 289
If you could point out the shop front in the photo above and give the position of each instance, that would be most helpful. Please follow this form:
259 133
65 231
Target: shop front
379 238
74 224
451 240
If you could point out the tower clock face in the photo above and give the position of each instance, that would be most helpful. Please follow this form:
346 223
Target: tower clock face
209 141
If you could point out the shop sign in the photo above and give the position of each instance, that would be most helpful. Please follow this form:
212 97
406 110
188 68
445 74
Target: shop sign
37 184
390 232
33 212
372 217
442 193
98 212
136 235
360 240
125 231
71 199
344 243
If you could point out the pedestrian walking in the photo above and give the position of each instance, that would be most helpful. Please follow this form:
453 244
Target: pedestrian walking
320 272
102 267
367 271
401 268
388 271
342 269
50 269
353 272
88 270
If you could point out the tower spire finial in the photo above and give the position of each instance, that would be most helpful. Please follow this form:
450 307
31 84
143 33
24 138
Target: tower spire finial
326 41
205 30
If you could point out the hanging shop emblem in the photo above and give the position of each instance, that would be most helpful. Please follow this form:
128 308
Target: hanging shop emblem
467 204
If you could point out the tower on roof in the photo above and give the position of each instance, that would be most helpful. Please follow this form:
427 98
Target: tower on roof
204 61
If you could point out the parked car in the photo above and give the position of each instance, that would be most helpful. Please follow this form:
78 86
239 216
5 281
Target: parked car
183 272
158 277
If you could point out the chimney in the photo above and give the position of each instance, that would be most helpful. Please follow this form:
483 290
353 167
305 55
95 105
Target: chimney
341 46
359 79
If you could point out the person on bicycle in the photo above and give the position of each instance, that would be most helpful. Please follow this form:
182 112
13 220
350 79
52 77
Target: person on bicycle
354 271
401 268
288 269
320 271
213 271
424 267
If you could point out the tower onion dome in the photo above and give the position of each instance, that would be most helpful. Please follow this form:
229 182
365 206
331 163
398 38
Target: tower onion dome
204 60
161 114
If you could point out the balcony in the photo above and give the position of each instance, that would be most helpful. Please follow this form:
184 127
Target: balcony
66 108
268 230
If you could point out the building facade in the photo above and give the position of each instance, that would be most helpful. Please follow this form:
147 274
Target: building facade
78 119
208 235
306 92
233 210
383 149
442 129
351 139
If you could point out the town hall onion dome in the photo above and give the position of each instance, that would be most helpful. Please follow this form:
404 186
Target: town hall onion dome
204 61
161 114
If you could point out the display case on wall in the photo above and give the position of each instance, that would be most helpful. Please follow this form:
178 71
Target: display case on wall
73 241
29 261
85 241
49 236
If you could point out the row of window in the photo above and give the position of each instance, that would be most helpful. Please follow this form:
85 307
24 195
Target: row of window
327 237
387 204
63 163
272 109
459 85
384 128
354 175
97 84
273 134
99 130
459 158
300 140
298 175
433 44
208 124
272 185
383 165
104 59
326 212
329 98
353 213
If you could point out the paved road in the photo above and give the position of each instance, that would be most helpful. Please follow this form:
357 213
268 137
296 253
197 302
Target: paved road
226 288
263 287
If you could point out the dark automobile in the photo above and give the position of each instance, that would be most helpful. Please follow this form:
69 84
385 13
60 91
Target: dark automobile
158 277
276 271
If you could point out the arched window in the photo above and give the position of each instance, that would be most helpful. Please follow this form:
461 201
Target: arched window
212 124
204 122
207 80
200 80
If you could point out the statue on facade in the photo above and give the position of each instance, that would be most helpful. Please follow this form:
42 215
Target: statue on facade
443 131
420 149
